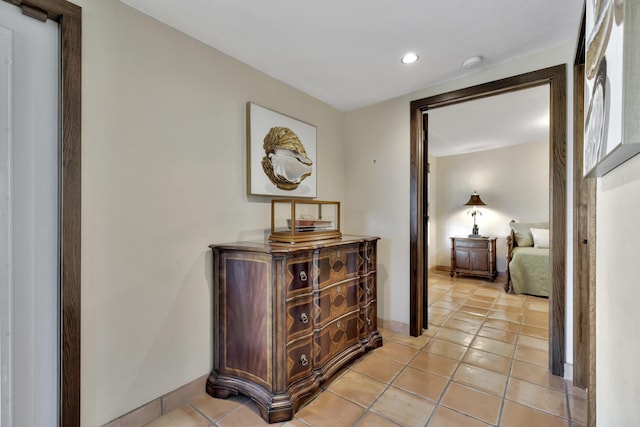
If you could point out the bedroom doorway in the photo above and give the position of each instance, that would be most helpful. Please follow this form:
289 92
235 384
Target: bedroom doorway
555 79
497 146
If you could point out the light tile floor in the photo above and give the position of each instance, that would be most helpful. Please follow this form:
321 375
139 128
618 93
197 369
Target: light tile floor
482 362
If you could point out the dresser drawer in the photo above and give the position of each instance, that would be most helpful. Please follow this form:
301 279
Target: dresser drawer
299 317
299 359
368 256
337 264
368 319
299 275
335 300
336 337
367 288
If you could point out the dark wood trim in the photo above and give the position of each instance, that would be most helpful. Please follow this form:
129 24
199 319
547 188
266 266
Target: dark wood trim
55 9
585 202
555 77
416 229
69 17
581 51
591 383
558 223
581 239
584 244
425 223
70 304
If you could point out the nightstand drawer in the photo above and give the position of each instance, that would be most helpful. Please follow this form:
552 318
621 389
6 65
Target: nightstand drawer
471 243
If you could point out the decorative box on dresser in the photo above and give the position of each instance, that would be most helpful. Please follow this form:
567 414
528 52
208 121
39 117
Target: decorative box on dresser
474 256
288 316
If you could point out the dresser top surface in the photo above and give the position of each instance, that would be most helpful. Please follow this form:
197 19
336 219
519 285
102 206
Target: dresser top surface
276 247
474 238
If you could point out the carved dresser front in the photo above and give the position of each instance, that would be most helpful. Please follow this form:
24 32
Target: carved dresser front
288 316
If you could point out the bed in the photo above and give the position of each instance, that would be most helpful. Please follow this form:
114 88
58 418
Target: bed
527 269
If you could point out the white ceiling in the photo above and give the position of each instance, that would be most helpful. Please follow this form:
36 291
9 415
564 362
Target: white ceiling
498 121
347 52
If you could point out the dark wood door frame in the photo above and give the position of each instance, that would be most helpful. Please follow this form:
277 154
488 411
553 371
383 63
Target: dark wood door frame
69 18
584 245
555 77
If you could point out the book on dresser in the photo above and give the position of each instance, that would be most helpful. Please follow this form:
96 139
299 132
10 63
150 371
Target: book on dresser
287 316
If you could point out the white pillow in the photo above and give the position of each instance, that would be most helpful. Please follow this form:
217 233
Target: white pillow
540 237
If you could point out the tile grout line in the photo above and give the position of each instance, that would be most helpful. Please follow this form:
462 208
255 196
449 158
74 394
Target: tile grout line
512 358
566 395
524 308
459 362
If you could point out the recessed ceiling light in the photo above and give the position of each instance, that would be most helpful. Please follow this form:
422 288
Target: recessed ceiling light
472 62
409 58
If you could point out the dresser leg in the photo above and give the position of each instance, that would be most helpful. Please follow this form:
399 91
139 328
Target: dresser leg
218 392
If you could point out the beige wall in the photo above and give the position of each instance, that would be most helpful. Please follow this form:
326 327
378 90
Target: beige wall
513 182
163 177
617 296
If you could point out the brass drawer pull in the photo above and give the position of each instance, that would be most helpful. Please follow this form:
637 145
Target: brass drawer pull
368 321
339 289
338 254
303 276
338 323
304 318
303 360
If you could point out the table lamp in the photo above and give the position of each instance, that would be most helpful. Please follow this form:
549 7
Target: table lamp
474 202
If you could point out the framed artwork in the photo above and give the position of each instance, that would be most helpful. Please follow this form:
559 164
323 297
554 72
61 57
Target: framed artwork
612 86
281 154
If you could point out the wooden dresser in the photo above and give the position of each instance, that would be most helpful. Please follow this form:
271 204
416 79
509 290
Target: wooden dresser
474 256
288 316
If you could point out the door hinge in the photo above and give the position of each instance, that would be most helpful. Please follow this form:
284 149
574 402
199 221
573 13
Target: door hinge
34 13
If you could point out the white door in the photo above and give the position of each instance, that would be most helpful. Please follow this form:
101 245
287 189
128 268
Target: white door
29 251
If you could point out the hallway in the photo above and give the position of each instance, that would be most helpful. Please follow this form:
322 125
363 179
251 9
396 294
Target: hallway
482 362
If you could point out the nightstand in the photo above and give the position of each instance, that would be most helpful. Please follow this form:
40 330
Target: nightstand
474 256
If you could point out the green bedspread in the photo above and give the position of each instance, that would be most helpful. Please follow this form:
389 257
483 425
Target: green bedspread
529 271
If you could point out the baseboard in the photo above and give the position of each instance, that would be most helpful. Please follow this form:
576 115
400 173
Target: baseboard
394 326
568 371
446 268
153 410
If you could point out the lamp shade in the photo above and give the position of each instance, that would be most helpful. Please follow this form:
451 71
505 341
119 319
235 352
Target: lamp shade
475 200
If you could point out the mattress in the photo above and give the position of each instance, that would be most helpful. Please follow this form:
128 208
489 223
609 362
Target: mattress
529 271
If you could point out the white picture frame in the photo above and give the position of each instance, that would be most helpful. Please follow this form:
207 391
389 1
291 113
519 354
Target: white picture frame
612 85
281 154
